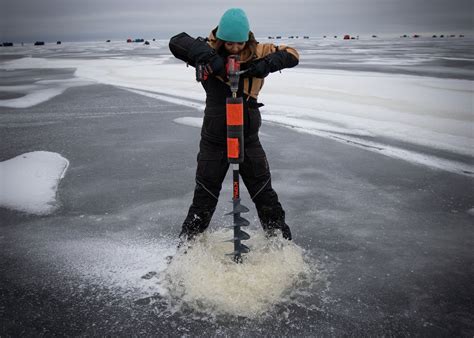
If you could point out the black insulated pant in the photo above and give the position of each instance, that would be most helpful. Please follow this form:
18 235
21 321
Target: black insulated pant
211 170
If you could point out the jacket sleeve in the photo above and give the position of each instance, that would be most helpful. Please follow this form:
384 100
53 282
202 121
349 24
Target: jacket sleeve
279 57
190 50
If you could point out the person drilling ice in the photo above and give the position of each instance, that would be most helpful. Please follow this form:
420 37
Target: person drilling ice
231 53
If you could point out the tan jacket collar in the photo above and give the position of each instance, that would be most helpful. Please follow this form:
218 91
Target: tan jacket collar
245 56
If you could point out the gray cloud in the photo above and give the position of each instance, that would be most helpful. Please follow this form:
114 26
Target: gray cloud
99 19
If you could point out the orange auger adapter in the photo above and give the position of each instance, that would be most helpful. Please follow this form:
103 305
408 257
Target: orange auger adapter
235 129
235 155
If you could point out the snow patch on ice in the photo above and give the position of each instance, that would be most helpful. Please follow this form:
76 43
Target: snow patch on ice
38 92
146 74
29 182
167 98
385 61
379 147
425 111
189 121
311 126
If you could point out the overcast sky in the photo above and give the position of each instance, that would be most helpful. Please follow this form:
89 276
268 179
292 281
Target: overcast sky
70 20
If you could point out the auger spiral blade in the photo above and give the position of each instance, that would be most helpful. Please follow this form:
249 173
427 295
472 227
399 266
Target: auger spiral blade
239 208
239 235
242 236
242 249
238 221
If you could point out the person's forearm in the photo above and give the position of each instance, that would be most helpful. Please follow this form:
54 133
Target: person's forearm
180 45
190 50
280 60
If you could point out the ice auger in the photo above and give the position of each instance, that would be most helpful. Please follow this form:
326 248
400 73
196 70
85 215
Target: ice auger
235 155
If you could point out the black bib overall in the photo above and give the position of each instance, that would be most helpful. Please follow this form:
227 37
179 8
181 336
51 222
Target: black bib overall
212 164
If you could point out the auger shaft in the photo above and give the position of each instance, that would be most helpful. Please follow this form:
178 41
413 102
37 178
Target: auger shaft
235 202
235 155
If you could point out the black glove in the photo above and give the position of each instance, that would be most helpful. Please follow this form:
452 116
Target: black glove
271 63
215 66
259 68
207 61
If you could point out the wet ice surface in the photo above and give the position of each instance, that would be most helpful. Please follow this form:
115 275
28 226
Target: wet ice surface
381 247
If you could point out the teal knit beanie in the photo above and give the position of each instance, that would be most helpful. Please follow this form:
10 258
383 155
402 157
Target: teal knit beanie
234 26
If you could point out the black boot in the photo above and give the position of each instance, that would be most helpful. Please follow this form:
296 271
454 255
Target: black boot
272 219
194 224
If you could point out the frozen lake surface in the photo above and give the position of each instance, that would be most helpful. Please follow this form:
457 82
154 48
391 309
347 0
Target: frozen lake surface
370 145
407 98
